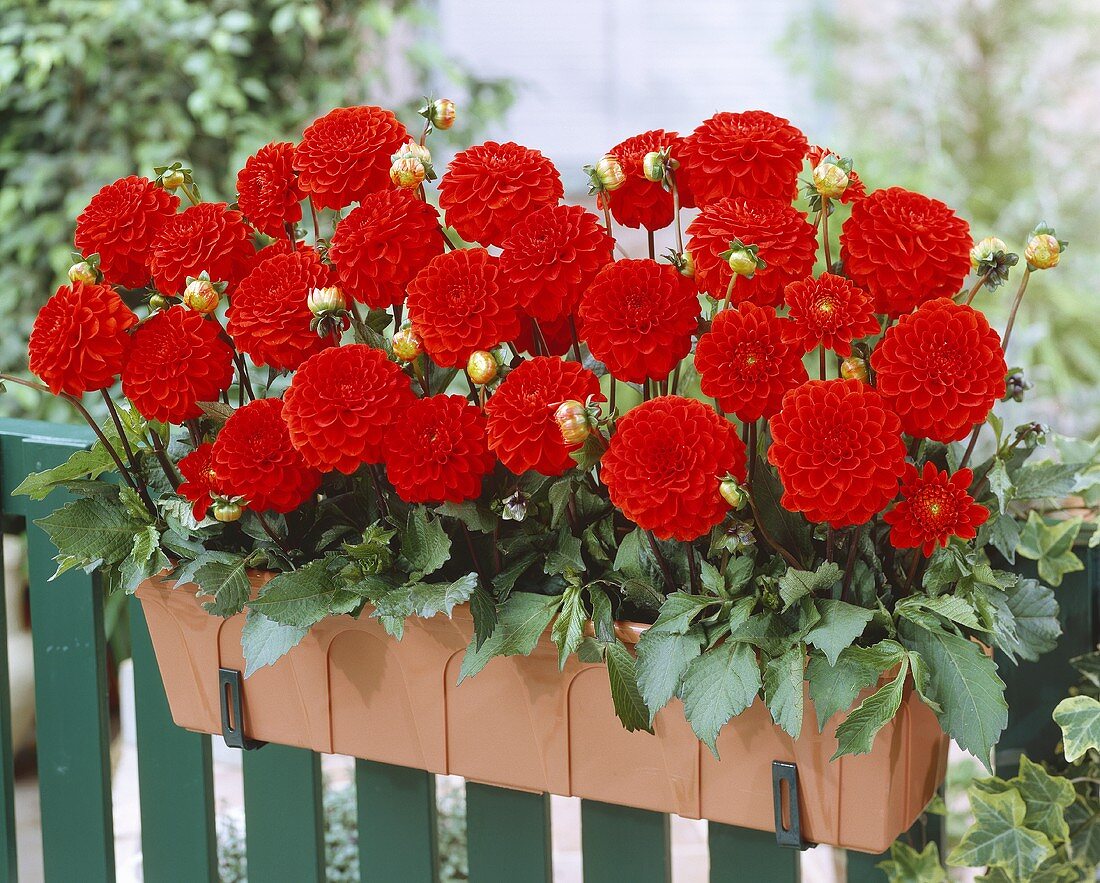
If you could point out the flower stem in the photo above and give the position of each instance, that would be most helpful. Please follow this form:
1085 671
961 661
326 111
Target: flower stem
316 222
576 339
170 471
669 581
270 531
652 246
821 369
850 566
825 244
676 210
977 287
131 459
1015 308
729 290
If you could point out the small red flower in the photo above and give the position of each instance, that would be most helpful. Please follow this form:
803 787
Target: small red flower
200 484
856 189
269 318
340 405
522 430
119 224
177 359
437 451
941 368
459 303
267 191
838 450
381 245
254 459
905 248
207 237
787 243
79 341
753 154
828 311
552 255
664 465
557 335
345 155
490 187
934 507
638 318
640 202
745 362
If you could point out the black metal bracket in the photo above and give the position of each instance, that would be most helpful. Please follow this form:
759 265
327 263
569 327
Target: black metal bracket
232 704
788 825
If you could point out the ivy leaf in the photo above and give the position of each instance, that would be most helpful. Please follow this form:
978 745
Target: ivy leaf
484 611
857 733
425 545
663 658
1051 545
1079 718
719 684
840 624
265 641
304 597
833 688
1083 818
679 610
906 865
1046 797
521 621
629 705
568 629
1038 628
999 839
429 599
784 691
83 464
797 584
223 577
89 531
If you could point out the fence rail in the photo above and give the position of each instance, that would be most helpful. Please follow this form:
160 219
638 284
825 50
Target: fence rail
508 832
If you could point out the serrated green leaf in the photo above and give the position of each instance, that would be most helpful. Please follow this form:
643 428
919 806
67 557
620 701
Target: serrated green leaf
629 705
429 599
643 594
568 629
565 557
1040 481
840 624
833 688
906 865
144 561
1000 484
679 610
472 514
484 611
719 684
787 528
795 585
91 530
1051 545
602 621
425 545
521 621
83 464
225 580
1079 718
304 597
663 658
916 608
857 733
1037 626
265 641
784 691
998 837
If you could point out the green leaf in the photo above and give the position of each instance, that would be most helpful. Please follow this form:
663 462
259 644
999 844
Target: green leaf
679 610
1040 481
89 464
521 621
144 561
425 545
1083 818
223 577
641 593
906 865
833 688
473 515
565 557
304 597
484 611
1051 545
1037 625
602 621
429 599
840 624
857 733
1079 718
787 528
797 584
998 837
916 608
784 691
265 641
719 684
629 705
89 531
663 658
1046 797
1000 484
568 630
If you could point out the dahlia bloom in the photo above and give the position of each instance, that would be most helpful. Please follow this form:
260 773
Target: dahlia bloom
664 464
639 202
267 190
828 311
200 484
207 237
934 507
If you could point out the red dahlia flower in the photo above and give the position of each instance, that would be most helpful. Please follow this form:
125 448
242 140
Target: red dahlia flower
490 187
382 244
120 223
207 237
905 248
557 335
269 318
340 405
437 452
177 359
267 191
522 430
787 243
664 464
254 459
838 450
459 303
934 507
638 318
941 369
200 484
640 202
78 342
753 154
745 362
828 311
552 255
345 155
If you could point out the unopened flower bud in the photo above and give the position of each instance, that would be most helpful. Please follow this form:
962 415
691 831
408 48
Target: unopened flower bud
158 302
1016 384
1043 251
201 295
408 172
732 492
609 173
574 421
406 344
743 259
854 368
482 367
830 180
442 113
329 299
227 510
653 166
986 250
84 271
173 179
415 150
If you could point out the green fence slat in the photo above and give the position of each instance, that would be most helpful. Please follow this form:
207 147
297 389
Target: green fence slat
284 822
507 835
623 843
9 858
74 772
738 854
862 867
175 779
397 824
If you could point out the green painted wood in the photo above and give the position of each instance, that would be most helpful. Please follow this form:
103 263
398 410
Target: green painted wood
175 780
623 843
739 854
507 835
398 837
862 868
9 858
74 772
284 824
12 434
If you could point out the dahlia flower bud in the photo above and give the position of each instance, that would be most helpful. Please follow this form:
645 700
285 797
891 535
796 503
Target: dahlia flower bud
86 270
854 368
482 367
1032 435
202 295
1016 384
173 179
227 510
732 492
329 299
408 172
442 113
744 260
830 180
159 302
653 166
985 250
1044 249
992 259
414 151
683 262
574 420
606 175
407 345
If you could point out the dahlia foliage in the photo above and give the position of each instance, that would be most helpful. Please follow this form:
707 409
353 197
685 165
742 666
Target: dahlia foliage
406 388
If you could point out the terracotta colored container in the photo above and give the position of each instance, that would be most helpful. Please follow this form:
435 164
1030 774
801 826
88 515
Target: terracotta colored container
350 689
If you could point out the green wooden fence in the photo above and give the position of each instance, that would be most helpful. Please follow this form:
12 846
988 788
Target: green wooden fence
508 839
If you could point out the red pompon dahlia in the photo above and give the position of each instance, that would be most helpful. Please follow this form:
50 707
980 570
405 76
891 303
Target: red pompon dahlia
78 342
638 318
665 463
786 240
905 248
205 238
941 369
557 336
552 255
459 303
828 311
745 362
934 507
177 358
381 245
267 191
200 484
340 405
490 187
838 450
640 202
345 155
254 459
437 451
269 318
522 430
119 224
753 154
